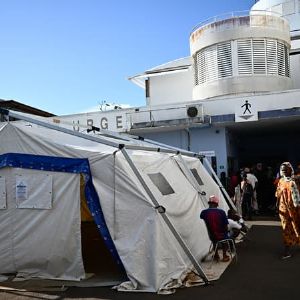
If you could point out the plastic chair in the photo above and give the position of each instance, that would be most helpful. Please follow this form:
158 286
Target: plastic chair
215 245
231 248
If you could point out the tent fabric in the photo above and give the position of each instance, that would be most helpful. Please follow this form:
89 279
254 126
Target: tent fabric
66 165
152 257
42 243
182 207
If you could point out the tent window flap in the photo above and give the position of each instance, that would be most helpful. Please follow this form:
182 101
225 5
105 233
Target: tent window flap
161 183
197 176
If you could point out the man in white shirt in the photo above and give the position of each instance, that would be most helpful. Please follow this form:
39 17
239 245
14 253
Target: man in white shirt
253 180
234 229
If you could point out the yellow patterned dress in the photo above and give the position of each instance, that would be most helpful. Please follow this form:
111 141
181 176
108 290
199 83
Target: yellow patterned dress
289 211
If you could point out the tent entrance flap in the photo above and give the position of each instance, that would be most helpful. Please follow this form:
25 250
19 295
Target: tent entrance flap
97 259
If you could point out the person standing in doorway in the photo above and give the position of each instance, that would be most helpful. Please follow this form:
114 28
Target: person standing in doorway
247 197
262 188
253 180
288 204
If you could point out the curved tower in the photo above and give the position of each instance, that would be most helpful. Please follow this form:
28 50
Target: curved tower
241 53
290 10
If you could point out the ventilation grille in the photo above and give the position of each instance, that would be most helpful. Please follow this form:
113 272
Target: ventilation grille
262 56
271 52
253 57
213 63
244 57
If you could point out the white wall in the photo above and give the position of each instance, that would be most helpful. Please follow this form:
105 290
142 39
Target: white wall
171 88
201 139
290 9
295 70
176 138
212 138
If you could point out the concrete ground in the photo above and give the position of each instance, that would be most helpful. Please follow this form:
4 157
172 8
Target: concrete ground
258 274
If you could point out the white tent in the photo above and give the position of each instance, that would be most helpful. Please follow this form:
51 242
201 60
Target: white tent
146 205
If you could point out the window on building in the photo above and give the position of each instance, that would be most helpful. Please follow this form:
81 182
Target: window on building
147 88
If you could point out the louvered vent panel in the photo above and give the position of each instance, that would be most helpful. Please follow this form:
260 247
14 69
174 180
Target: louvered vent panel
244 57
224 60
259 57
211 70
281 59
195 69
200 74
271 51
254 57
287 61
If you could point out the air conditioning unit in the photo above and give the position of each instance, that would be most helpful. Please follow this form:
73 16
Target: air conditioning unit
194 111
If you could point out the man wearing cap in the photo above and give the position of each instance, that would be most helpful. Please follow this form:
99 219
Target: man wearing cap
217 224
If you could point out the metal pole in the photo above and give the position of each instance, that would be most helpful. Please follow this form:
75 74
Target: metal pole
57 128
99 139
223 190
193 180
165 217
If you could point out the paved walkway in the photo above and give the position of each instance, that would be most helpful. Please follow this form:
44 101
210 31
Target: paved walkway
258 274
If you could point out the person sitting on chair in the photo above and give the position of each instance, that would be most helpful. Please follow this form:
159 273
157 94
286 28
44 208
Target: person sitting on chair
234 227
217 225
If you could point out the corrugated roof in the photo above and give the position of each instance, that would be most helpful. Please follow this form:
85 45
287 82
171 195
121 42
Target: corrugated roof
17 106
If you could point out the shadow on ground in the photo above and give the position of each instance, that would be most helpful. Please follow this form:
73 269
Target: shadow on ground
258 274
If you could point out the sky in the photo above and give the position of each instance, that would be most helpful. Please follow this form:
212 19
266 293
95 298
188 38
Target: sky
68 56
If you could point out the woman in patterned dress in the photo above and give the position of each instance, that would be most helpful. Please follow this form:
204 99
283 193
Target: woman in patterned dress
288 203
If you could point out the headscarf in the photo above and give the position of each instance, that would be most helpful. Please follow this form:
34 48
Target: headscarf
287 164
294 188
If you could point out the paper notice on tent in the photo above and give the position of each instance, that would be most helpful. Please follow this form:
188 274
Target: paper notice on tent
34 191
21 190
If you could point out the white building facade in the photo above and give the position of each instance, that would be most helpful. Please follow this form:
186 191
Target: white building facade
235 98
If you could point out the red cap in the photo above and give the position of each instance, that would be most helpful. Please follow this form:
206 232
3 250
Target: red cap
213 199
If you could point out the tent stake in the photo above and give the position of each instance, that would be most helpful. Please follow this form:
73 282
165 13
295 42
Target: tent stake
165 217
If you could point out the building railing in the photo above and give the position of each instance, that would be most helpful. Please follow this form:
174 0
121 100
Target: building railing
234 14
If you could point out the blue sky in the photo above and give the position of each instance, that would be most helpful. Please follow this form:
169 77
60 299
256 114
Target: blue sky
65 56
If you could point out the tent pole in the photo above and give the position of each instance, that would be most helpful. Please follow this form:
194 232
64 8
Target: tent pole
162 147
172 149
193 179
223 190
58 128
165 217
